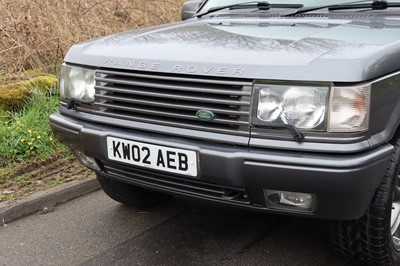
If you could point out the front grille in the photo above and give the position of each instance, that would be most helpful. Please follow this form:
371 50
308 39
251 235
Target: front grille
173 100
178 184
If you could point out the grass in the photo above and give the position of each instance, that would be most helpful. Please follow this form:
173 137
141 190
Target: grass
34 38
25 138
26 133
6 197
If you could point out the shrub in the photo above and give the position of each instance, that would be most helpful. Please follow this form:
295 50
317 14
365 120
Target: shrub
14 96
43 84
37 34
26 133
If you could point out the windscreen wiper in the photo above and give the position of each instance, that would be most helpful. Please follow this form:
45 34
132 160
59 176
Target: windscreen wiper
296 134
374 5
261 5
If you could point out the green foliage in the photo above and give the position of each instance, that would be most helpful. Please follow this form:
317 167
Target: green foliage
33 72
4 172
14 96
58 181
6 197
43 84
26 133
23 179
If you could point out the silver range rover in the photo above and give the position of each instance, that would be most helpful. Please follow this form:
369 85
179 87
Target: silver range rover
288 107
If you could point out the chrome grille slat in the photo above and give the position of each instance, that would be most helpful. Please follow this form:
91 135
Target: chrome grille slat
170 96
173 100
164 114
163 122
169 105
152 84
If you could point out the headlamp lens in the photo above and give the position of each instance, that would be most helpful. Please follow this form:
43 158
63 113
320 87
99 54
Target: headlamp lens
300 106
77 83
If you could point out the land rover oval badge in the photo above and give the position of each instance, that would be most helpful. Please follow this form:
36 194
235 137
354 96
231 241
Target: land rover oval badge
205 115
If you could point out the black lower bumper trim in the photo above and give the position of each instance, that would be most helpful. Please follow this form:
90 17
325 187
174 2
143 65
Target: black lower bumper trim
179 185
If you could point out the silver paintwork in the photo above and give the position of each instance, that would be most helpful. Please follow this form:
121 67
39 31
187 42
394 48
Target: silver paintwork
254 48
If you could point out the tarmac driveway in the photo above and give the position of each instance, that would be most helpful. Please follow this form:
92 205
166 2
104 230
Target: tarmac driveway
95 230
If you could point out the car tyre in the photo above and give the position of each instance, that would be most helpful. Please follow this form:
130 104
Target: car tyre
130 195
374 239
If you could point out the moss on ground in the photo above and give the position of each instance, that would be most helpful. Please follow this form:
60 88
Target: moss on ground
14 96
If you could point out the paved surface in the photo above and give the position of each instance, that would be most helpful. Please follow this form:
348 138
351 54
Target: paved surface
94 230
46 199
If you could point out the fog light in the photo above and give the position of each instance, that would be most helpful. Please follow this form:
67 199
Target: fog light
87 161
290 201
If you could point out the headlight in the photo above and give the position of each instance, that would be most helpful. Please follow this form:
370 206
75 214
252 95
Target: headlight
322 108
301 106
77 83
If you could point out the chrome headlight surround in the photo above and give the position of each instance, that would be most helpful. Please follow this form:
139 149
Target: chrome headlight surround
77 83
311 107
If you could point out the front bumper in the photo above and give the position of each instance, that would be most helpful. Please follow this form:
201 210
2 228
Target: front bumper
343 183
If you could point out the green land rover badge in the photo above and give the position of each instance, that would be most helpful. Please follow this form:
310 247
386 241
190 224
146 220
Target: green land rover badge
205 115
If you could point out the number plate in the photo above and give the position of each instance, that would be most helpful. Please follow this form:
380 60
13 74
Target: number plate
162 158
